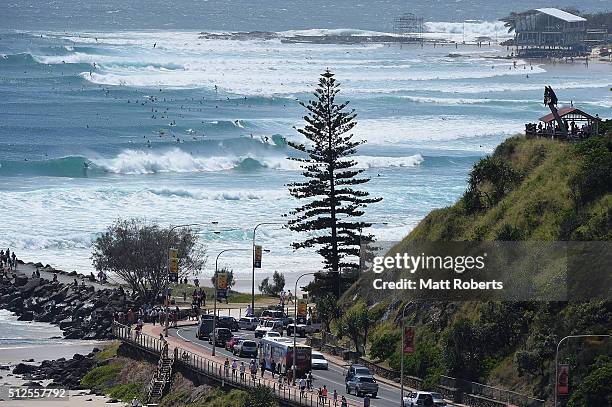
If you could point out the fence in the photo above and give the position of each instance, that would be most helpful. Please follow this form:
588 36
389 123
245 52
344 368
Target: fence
287 393
490 392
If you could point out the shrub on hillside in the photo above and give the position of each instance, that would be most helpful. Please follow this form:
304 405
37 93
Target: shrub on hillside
594 176
384 343
594 389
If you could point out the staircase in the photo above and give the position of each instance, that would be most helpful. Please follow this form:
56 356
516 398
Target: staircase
161 379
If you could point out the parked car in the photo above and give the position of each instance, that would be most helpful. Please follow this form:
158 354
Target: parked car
205 327
231 342
417 399
228 322
267 325
221 335
360 381
245 348
318 361
248 323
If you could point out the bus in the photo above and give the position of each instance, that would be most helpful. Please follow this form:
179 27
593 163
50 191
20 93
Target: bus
281 351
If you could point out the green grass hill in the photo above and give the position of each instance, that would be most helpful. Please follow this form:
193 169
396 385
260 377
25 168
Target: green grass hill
527 190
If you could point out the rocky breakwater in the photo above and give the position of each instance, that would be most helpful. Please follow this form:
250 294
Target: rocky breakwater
81 312
63 372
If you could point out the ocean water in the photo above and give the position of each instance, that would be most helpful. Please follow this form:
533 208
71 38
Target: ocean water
106 112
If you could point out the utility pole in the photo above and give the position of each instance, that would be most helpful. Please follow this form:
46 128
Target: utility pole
214 339
557 356
293 367
167 279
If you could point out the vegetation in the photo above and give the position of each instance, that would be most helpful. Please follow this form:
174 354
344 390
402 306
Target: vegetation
277 286
260 396
594 390
137 252
328 310
101 378
329 189
528 189
355 323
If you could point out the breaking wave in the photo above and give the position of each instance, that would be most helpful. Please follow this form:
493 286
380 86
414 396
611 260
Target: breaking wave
133 162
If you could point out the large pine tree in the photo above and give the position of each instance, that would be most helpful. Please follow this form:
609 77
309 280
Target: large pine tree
331 215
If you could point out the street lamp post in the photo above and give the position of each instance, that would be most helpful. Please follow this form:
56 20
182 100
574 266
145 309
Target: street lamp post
402 356
557 356
253 260
214 339
293 367
166 299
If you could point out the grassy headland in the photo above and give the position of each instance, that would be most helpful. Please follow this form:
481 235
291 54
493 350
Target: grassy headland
528 189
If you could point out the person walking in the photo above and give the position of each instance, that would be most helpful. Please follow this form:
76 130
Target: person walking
302 384
242 371
234 367
335 397
226 366
343 402
263 367
273 368
366 401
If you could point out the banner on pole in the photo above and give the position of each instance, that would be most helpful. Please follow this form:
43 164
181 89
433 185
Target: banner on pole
257 259
409 339
302 308
563 380
222 281
173 265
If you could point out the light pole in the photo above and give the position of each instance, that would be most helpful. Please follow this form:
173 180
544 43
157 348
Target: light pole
166 299
557 356
253 260
214 339
293 367
402 355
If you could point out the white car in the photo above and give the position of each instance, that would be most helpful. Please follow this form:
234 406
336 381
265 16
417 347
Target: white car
272 334
417 399
268 326
248 323
318 361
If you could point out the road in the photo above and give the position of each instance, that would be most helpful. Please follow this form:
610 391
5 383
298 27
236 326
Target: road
388 396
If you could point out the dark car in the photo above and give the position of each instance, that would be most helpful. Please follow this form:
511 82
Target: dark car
221 336
205 327
228 322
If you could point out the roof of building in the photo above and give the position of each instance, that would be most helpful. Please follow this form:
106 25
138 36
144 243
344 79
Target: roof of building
564 111
561 15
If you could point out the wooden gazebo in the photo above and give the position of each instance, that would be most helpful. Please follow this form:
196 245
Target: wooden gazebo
578 123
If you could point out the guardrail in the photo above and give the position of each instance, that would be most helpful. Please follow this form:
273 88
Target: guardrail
493 393
285 392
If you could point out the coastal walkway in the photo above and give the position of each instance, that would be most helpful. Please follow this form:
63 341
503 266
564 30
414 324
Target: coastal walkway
191 359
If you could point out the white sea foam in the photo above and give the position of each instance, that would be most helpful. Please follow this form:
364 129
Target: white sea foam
174 160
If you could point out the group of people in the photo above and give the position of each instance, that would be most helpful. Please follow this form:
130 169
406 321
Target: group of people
285 298
550 129
8 259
